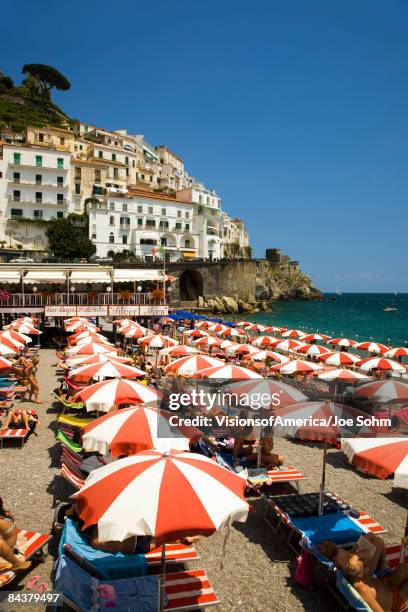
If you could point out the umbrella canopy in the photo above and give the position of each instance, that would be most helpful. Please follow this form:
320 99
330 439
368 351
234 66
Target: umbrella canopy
6 350
157 341
124 322
272 329
131 430
196 333
78 337
90 339
90 349
103 395
179 351
209 341
315 338
380 457
287 345
285 393
313 350
372 347
394 353
14 345
77 360
343 375
232 332
15 336
189 366
243 349
340 358
216 328
293 333
76 326
228 371
297 366
136 496
5 364
384 391
381 363
109 369
264 341
264 355
135 331
345 342
26 329
225 344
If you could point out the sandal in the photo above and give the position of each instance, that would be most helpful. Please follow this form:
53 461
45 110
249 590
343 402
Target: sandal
42 587
30 584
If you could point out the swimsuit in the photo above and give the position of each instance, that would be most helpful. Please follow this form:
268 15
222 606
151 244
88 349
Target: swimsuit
9 529
398 603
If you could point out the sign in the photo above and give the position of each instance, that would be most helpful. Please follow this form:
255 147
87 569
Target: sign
60 311
124 310
20 309
153 310
92 311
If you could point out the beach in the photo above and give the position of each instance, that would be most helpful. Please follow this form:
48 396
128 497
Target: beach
258 565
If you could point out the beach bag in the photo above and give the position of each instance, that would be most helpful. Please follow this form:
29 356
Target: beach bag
304 569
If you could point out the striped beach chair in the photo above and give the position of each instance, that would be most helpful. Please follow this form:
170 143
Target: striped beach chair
72 475
19 434
175 553
30 544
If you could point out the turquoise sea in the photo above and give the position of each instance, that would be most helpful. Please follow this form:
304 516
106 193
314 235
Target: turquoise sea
359 316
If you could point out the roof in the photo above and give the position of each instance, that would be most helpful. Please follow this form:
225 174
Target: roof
88 162
155 196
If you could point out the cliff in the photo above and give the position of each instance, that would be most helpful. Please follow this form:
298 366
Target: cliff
283 283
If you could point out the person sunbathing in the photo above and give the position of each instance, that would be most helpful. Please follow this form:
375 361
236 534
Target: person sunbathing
21 419
245 448
133 544
382 594
8 540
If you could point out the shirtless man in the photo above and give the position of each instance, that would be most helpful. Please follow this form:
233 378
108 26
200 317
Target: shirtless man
8 540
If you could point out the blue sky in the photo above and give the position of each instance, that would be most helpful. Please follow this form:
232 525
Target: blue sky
295 112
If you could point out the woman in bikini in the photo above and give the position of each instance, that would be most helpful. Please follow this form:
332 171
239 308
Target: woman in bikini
8 540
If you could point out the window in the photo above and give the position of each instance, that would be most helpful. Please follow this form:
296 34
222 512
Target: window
150 223
93 236
113 156
38 179
150 210
187 215
111 220
126 160
133 163
164 224
148 241
200 199
38 161
16 212
60 214
140 209
16 177
178 226
111 205
85 129
40 137
179 214
60 198
98 176
78 173
208 200
62 141
140 222
77 188
163 212
142 177
16 195
163 241
111 238
60 162
97 190
60 181
187 226
124 239
115 173
125 221
124 207
100 154
186 244
17 158
38 214
151 179
38 196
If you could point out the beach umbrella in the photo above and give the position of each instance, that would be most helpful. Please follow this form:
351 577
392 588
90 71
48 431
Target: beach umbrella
203 324
157 341
342 375
380 363
24 328
264 355
188 366
216 328
344 342
136 496
209 341
243 349
76 326
287 345
372 347
272 329
6 350
313 350
293 333
243 324
263 341
90 349
394 353
225 344
296 366
109 369
280 393
340 358
131 430
103 395
134 331
232 332
380 457
384 391
227 371
196 333
14 345
78 337
179 351
315 338
166 321
15 336
124 322
96 358
5 364
93 339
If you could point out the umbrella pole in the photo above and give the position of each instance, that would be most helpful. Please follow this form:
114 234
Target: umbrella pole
404 542
323 483
162 578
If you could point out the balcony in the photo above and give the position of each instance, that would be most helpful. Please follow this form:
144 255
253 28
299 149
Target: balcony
14 181
42 167
49 298
30 200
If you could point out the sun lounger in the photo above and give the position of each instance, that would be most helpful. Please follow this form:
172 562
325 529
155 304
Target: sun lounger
175 553
13 434
66 441
74 421
30 544
71 459
74 476
67 405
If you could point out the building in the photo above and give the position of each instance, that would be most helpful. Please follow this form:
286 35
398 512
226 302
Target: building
235 237
173 174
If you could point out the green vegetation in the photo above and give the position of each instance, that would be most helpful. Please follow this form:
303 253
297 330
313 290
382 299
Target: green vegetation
68 238
30 102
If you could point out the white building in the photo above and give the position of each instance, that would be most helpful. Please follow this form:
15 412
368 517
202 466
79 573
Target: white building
235 239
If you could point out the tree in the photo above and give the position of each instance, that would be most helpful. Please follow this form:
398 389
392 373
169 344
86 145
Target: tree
48 77
68 239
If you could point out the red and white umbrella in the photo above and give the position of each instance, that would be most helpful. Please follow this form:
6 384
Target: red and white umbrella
244 324
179 351
80 325
109 369
5 364
225 344
372 347
280 393
340 358
297 366
343 375
345 342
75 338
131 430
13 345
228 371
92 339
232 332
15 336
287 345
134 331
90 349
78 360
6 350
208 341
124 322
384 391
243 349
394 353
168 496
380 457
314 350
157 341
216 328
380 363
188 366
196 333
26 329
315 338
203 324
264 341
264 355
272 329
103 395
293 333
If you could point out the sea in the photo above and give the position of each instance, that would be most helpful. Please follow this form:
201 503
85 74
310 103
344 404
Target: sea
359 316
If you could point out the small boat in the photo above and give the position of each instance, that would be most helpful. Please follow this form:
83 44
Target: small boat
338 292
390 309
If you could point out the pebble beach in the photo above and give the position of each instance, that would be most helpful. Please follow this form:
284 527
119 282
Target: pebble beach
258 566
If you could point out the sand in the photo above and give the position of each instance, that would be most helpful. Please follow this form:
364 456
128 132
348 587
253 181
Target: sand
258 565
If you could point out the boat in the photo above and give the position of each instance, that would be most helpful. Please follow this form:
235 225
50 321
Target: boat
390 309
338 292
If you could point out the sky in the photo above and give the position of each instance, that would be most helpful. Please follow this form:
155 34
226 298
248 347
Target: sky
294 111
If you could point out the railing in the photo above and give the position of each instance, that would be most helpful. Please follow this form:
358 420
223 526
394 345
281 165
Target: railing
77 299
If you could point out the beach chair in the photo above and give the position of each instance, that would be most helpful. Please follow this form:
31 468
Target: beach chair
72 475
66 406
68 442
81 583
74 421
19 434
31 544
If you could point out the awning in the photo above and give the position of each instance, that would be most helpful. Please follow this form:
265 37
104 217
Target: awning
126 276
45 276
90 276
188 253
10 276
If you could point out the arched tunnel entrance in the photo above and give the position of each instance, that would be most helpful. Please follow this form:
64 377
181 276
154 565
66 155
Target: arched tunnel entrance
191 285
